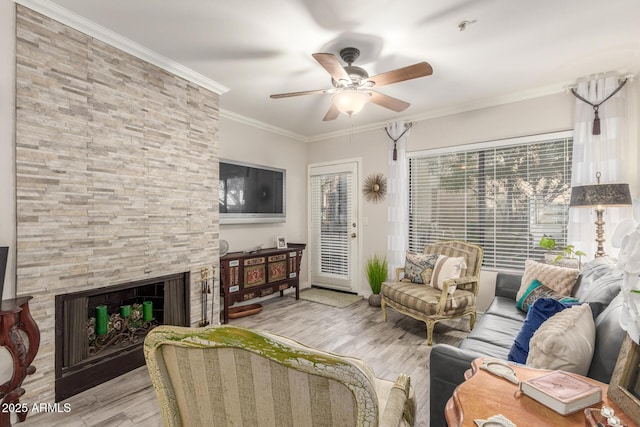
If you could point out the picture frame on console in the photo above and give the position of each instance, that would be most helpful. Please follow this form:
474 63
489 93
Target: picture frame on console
624 387
281 242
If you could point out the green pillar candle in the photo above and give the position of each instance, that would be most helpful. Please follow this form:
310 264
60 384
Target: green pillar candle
147 311
125 311
101 320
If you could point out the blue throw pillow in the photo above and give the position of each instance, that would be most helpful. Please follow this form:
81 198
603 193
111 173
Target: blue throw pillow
541 310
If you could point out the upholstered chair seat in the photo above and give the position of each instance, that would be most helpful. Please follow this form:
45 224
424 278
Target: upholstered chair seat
232 376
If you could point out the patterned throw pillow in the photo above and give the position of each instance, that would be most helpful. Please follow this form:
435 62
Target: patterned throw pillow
560 279
418 267
537 290
447 268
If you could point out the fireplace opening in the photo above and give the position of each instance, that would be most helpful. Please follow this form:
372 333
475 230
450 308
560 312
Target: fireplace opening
100 332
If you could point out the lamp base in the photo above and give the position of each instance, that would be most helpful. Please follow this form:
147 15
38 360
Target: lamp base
600 233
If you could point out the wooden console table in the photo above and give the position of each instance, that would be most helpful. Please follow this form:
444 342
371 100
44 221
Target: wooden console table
16 321
484 395
244 276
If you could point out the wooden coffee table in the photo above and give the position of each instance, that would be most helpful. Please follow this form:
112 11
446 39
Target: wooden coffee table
484 395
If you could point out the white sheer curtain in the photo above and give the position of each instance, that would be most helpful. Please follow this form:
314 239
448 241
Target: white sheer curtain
611 153
397 198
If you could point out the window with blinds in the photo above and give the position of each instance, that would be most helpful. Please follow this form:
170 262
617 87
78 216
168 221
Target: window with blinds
503 197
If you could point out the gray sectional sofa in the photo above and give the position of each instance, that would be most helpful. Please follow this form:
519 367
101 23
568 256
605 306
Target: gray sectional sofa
495 332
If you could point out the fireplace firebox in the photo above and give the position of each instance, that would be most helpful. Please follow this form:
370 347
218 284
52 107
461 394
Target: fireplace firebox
100 332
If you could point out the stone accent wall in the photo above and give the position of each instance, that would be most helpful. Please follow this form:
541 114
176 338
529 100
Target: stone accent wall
117 166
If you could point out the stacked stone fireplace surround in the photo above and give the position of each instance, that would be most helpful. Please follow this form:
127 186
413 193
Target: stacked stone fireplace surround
117 166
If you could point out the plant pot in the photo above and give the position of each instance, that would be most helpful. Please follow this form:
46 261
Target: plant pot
550 257
374 300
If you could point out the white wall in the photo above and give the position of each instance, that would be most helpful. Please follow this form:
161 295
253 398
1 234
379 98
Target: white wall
541 115
241 142
7 144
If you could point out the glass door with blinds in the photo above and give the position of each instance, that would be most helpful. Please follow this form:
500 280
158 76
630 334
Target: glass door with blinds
333 226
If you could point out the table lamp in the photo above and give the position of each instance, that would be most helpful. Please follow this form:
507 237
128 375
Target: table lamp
599 196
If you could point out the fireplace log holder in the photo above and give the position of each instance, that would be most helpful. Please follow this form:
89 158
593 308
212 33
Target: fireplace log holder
121 331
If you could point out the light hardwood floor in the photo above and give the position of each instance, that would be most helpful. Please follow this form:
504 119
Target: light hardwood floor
398 346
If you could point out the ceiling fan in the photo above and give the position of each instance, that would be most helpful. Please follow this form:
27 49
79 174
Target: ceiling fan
352 86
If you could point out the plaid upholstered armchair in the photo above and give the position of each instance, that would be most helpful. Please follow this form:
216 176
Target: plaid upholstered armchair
439 284
226 375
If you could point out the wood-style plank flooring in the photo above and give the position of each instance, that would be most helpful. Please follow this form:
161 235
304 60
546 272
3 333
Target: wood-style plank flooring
398 346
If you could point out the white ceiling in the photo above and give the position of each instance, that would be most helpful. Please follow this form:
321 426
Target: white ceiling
515 50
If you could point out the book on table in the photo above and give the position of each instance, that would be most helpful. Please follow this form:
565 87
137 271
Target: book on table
562 392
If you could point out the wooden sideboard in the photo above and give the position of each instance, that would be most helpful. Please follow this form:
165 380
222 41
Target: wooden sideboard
244 276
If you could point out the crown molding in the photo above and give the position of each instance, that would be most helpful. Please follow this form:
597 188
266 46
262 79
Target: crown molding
261 125
77 22
448 111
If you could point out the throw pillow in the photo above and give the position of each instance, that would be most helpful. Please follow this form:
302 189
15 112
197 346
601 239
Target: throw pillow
537 290
540 311
447 268
560 279
418 267
566 341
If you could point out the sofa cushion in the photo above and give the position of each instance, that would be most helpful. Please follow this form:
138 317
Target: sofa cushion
423 300
609 337
565 341
537 290
560 279
505 307
418 267
492 336
540 311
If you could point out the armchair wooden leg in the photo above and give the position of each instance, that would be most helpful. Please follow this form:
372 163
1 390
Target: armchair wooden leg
472 320
430 325
383 306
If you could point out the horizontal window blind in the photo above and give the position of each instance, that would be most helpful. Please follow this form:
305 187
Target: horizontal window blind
503 198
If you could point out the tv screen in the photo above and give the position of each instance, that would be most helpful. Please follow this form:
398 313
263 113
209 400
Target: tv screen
251 193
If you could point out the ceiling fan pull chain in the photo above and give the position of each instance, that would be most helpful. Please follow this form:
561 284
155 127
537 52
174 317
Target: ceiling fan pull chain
395 140
596 107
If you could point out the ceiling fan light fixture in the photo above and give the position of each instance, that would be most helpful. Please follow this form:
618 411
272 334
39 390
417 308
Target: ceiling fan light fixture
350 101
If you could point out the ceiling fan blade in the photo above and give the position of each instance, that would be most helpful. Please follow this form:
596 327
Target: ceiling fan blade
333 66
389 102
421 69
306 92
332 114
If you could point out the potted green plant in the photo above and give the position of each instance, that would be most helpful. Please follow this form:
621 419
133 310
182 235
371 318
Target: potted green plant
556 254
376 269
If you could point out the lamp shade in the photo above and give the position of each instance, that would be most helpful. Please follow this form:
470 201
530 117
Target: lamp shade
350 101
600 195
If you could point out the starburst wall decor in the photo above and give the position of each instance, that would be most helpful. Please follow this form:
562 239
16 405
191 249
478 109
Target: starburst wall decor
375 188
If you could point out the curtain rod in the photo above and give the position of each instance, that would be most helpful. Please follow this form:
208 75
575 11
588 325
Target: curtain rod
629 77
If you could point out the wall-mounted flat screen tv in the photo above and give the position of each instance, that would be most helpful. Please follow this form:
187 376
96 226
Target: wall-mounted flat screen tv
251 193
